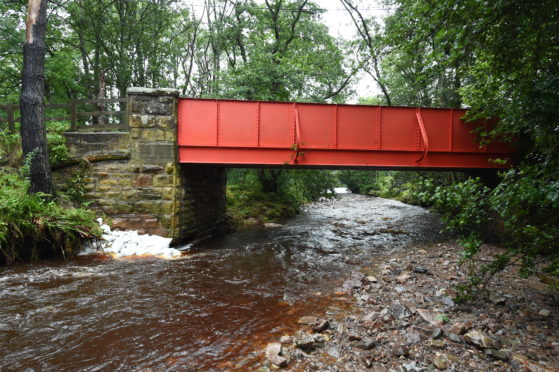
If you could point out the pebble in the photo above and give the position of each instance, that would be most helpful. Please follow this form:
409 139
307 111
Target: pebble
366 344
498 354
401 350
454 337
440 363
437 333
544 312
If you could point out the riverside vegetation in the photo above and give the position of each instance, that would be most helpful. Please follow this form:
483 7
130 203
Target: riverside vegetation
36 225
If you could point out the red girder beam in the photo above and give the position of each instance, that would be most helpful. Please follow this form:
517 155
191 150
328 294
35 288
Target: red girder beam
308 135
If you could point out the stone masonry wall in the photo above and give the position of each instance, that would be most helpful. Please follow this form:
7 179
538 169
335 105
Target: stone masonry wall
135 179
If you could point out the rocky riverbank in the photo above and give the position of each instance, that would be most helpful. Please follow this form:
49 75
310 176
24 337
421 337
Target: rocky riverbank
402 317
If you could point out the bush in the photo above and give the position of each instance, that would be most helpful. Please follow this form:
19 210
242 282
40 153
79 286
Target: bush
32 226
526 206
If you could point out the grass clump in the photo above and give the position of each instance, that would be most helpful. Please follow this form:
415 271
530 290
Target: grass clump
33 226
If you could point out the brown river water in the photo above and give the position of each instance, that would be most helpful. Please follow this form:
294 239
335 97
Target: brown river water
212 310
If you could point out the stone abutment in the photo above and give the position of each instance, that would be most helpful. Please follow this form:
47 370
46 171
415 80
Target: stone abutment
134 176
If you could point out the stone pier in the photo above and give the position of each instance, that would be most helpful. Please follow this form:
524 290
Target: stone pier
134 178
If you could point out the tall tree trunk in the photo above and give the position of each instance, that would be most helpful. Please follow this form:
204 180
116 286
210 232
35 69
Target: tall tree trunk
31 102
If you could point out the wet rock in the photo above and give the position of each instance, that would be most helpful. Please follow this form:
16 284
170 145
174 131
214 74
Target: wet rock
321 326
498 354
366 344
481 339
305 342
274 354
356 281
400 350
399 311
317 324
334 351
308 320
544 312
270 225
286 340
437 333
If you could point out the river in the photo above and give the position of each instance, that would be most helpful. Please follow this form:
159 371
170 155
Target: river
212 310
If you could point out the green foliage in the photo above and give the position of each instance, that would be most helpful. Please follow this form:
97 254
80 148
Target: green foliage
10 149
32 226
246 197
524 206
247 205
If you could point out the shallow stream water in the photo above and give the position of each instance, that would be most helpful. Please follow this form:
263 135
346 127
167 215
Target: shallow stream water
212 310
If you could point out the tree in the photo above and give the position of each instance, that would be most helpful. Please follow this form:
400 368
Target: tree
31 104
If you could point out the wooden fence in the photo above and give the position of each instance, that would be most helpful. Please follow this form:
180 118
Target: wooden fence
76 112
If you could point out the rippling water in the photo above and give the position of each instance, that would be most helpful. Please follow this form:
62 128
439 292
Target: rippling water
206 312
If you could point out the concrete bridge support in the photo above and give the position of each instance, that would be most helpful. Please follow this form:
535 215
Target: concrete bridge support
134 176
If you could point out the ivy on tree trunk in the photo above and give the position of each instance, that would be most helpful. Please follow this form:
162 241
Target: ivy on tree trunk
31 102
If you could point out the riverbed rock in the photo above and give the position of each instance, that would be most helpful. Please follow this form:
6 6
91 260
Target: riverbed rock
454 337
413 337
438 344
544 312
366 343
481 339
497 354
305 342
399 311
440 363
437 333
431 317
458 328
274 354
400 350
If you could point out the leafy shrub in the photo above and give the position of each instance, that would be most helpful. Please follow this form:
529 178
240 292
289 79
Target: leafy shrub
33 226
526 206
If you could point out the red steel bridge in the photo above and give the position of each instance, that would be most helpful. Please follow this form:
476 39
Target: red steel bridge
310 135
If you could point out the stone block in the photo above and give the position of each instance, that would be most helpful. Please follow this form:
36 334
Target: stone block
135 133
163 180
155 169
141 121
166 99
136 107
156 153
167 122
153 134
167 193
158 108
143 180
